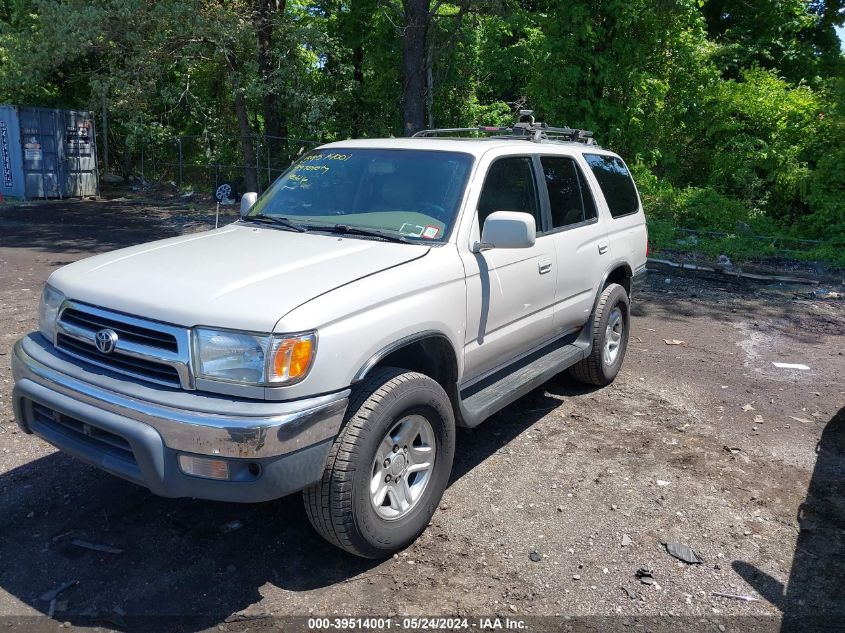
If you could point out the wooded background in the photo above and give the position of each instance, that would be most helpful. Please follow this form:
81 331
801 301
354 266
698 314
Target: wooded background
730 112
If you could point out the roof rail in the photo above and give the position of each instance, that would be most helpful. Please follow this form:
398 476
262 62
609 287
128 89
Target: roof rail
482 129
526 129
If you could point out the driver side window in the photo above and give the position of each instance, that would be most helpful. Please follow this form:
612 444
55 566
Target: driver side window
509 186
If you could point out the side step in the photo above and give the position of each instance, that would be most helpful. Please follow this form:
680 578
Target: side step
494 393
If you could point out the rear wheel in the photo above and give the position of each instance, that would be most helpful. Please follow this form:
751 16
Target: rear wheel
388 467
610 339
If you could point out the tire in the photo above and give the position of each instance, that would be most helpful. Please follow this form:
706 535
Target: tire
597 369
341 506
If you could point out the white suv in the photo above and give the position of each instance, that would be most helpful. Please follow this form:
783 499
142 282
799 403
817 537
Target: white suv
380 293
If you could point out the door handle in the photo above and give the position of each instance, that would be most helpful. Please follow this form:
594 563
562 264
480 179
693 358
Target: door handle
544 265
603 246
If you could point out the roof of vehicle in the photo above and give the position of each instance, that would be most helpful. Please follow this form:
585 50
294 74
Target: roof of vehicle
474 146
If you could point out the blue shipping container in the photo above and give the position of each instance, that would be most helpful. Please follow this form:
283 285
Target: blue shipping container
51 153
11 162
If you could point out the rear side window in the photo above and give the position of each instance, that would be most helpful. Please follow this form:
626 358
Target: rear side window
569 198
509 186
615 182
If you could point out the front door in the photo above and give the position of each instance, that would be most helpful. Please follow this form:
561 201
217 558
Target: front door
510 292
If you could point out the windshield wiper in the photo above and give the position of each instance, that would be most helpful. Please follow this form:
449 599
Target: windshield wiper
345 229
277 220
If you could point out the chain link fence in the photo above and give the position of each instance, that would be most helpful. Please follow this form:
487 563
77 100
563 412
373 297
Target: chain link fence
203 163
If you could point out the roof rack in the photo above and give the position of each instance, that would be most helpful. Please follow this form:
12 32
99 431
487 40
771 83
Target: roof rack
526 129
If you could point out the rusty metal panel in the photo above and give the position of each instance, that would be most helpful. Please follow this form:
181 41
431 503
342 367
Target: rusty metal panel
59 153
41 145
80 155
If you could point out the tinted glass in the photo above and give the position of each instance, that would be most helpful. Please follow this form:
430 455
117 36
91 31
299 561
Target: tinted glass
413 193
586 196
615 182
509 186
565 191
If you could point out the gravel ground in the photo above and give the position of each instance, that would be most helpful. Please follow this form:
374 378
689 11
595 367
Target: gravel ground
554 504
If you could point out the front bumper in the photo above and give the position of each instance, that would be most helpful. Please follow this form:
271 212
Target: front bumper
137 431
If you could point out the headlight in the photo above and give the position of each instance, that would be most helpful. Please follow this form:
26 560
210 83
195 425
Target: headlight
48 312
254 359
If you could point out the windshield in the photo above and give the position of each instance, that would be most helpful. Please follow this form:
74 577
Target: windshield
410 193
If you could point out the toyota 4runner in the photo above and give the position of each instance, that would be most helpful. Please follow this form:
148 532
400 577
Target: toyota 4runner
377 295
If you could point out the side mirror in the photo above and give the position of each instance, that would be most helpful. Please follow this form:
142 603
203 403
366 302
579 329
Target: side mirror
507 229
247 200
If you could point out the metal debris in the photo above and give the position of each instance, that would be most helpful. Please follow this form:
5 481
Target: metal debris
733 596
802 420
683 552
824 293
231 526
790 366
108 549
55 593
674 341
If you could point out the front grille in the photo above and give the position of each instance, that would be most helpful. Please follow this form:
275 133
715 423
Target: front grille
99 439
126 331
150 370
144 349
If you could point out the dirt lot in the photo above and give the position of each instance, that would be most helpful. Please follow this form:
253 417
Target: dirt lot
704 442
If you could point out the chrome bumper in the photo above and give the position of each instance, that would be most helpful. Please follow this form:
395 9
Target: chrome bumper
192 422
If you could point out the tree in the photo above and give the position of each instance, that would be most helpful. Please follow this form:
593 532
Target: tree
796 37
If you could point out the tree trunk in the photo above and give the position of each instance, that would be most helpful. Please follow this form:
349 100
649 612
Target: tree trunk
429 79
416 17
265 11
247 145
358 30
358 100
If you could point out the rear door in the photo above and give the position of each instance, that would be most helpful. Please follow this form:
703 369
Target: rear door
510 292
581 244
626 227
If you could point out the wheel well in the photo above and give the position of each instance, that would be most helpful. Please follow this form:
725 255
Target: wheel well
432 356
620 275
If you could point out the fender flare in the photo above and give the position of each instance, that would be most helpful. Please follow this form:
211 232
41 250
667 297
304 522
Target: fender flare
398 344
585 339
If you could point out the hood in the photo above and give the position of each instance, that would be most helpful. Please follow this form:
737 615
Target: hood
239 276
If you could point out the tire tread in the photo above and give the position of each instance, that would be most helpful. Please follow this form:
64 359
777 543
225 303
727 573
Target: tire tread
328 503
589 370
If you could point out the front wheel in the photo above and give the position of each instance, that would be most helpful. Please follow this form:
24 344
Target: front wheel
610 339
388 467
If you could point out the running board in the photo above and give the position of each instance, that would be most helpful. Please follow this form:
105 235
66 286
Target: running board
483 399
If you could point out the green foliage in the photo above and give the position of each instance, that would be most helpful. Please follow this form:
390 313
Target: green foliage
759 134
731 114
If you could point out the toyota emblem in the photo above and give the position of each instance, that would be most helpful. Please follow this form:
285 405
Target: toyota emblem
106 340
